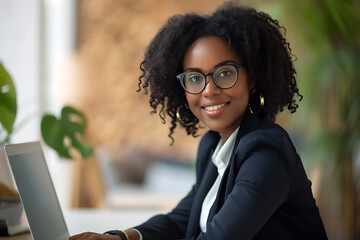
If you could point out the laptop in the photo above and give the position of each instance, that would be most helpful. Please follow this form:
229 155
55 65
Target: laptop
36 190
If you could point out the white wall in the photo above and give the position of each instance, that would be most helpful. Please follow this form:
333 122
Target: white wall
20 53
36 39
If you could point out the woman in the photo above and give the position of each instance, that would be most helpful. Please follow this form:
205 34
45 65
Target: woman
233 72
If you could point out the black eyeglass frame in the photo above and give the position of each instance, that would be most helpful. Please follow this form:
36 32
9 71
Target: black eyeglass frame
181 76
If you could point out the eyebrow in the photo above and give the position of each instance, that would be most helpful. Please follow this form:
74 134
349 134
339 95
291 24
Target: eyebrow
217 65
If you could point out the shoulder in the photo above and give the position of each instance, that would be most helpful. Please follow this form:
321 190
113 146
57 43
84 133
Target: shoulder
269 143
267 134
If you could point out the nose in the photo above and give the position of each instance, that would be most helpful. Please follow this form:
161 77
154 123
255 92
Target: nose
210 89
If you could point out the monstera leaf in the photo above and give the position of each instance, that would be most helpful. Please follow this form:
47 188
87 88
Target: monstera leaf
66 133
8 105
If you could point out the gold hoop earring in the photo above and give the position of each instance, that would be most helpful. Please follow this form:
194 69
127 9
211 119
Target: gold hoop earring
182 122
256 101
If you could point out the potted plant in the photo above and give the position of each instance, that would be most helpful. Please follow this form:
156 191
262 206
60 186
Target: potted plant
65 135
62 135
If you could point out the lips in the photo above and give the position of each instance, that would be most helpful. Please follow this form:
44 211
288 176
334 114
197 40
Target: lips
214 107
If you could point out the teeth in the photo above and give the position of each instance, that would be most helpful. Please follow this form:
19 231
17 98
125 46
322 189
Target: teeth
214 108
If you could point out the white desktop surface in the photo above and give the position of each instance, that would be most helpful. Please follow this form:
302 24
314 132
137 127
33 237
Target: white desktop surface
98 220
102 220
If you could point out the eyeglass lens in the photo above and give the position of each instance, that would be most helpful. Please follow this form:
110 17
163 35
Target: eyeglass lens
223 76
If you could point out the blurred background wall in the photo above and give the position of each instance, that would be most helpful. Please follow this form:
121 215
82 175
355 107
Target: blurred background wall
87 53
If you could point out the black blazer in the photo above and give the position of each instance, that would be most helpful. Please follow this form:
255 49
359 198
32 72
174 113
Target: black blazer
264 193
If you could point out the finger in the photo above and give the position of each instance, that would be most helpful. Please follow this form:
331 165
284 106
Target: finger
77 236
81 236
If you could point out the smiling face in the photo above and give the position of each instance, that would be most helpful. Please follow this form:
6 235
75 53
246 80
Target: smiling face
221 110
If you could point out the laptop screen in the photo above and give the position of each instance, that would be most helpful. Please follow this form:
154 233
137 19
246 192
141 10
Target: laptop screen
36 191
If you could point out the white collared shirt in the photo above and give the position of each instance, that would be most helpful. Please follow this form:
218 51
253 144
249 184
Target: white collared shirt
220 159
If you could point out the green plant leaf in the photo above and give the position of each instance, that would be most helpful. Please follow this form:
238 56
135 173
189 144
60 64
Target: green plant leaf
66 133
8 105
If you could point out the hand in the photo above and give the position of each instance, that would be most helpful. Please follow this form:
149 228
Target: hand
94 236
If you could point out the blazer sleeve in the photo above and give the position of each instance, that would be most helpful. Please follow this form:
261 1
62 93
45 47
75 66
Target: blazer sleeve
261 186
169 226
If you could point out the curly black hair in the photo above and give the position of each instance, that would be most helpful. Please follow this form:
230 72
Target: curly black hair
254 36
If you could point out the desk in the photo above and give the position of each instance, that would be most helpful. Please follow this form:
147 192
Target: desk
25 236
83 220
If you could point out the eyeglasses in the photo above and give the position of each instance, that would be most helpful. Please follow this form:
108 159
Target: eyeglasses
224 77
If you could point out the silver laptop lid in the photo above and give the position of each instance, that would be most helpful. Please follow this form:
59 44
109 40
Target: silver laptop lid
36 191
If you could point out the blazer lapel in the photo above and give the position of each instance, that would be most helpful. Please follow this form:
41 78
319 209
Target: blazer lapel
250 123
